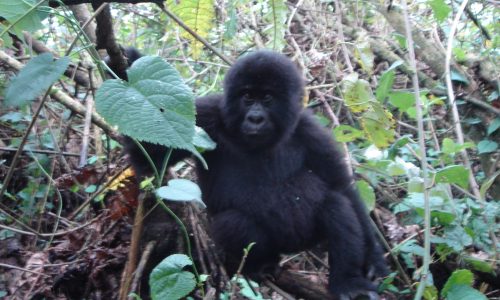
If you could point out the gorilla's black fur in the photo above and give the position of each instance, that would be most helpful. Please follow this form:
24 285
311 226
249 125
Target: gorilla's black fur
276 177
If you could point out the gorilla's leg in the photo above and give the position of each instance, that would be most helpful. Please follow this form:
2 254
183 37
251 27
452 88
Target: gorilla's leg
346 247
374 262
233 231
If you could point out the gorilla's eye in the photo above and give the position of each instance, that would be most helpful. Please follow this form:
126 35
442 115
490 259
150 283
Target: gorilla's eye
247 99
267 99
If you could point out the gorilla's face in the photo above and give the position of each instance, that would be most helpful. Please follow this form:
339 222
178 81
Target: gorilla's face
257 126
262 99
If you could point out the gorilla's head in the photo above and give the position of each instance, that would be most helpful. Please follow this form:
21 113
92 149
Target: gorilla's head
263 94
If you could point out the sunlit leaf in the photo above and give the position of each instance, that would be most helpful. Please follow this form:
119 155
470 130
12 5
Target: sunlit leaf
198 15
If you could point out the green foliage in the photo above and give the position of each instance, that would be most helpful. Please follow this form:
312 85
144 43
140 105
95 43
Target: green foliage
367 194
38 75
364 55
246 290
197 15
454 174
21 15
154 105
275 17
464 292
202 141
181 190
377 123
440 9
357 93
486 146
386 81
494 125
169 281
458 277
346 133
450 147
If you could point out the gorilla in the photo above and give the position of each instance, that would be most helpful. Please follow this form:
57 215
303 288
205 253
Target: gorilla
276 177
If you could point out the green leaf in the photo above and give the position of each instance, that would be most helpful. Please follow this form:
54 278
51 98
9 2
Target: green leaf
454 174
487 184
440 8
456 76
357 93
457 238
458 277
367 194
364 54
168 281
197 15
22 14
202 140
346 133
386 81
248 288
463 292
36 76
494 125
480 265
486 146
378 125
450 147
91 188
416 185
402 100
181 190
431 293
153 106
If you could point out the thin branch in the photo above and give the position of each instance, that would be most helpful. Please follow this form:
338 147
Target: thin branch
456 119
421 141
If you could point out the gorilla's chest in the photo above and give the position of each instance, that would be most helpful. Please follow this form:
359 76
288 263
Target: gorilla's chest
272 185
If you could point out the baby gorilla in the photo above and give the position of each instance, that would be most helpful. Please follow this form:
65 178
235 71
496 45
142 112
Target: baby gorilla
276 177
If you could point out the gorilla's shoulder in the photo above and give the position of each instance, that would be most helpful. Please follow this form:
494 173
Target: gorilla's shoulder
208 114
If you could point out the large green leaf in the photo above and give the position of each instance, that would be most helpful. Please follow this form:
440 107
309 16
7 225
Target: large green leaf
23 14
153 106
38 75
169 281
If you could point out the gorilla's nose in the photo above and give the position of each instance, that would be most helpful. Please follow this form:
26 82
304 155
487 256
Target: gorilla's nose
255 119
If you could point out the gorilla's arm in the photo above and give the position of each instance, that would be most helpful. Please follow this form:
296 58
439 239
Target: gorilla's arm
322 155
326 161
